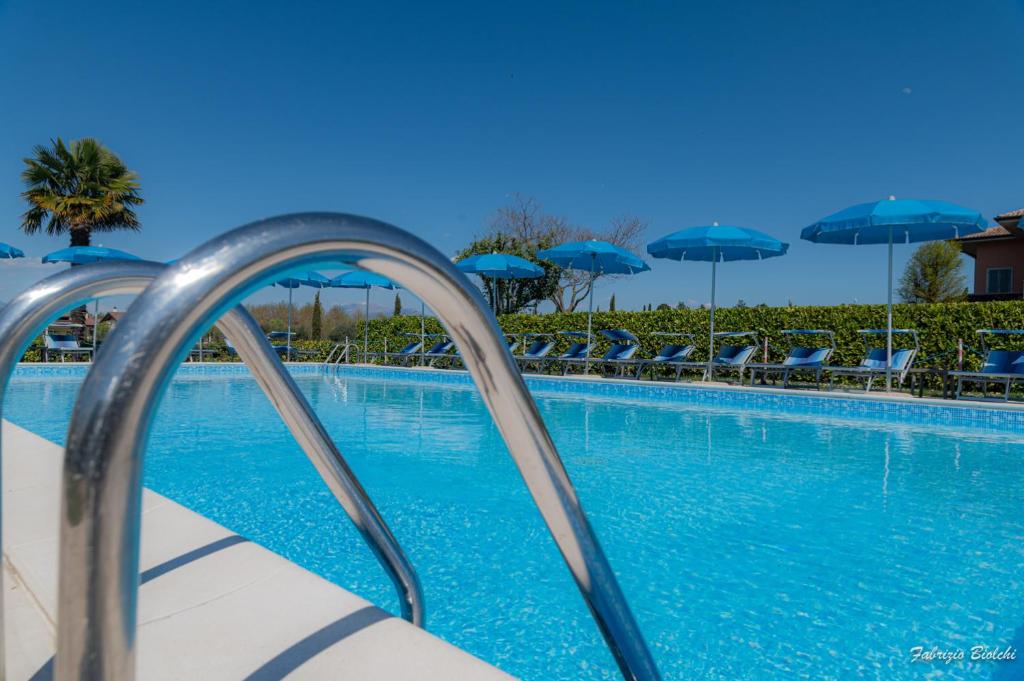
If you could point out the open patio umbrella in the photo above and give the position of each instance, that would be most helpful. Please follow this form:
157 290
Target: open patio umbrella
883 222
364 280
713 244
596 257
82 255
311 279
500 266
8 251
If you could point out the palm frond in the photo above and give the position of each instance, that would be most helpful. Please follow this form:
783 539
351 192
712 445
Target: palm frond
81 186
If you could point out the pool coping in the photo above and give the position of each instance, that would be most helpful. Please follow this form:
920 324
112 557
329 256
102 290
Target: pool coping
211 605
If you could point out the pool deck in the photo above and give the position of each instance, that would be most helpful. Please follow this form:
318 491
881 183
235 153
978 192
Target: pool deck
212 604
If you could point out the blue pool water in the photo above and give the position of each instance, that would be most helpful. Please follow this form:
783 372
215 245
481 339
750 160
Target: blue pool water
752 544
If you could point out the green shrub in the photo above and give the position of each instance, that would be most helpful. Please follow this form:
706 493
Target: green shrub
938 325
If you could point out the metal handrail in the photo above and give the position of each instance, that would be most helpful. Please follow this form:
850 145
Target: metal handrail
330 355
27 315
100 518
344 354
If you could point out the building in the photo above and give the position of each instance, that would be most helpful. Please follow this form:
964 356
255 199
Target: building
998 254
112 317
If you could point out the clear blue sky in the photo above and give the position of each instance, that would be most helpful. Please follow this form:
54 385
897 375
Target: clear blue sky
428 115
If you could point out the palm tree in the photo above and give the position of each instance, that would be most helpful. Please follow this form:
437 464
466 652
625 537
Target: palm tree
78 190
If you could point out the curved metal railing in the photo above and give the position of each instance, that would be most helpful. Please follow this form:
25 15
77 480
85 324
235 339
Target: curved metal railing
100 518
27 315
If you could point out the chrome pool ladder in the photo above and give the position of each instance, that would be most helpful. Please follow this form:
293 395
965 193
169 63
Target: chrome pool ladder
27 315
100 517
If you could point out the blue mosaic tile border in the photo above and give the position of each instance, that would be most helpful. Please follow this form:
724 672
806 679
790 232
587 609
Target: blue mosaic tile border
953 414
910 411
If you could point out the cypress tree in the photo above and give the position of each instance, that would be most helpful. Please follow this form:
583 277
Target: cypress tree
317 325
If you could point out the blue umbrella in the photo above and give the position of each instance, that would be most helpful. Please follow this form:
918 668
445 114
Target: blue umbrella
884 222
312 279
82 255
364 280
713 244
596 257
500 266
9 251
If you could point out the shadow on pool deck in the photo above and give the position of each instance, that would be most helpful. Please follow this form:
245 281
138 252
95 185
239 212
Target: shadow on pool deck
287 660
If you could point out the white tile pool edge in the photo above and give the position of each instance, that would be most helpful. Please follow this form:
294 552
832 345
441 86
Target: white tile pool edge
212 605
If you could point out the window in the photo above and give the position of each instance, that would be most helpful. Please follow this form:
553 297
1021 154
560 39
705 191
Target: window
1000 280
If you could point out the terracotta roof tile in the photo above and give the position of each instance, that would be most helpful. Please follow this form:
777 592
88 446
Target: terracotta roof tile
1010 215
995 231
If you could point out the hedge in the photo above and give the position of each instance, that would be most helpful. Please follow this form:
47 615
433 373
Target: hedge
938 326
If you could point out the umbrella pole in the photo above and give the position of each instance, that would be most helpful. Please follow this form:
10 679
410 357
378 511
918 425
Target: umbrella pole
423 331
366 326
590 317
288 346
888 328
95 327
711 337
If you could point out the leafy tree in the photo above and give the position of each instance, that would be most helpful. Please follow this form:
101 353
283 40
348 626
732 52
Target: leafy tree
524 222
664 306
514 295
398 306
611 304
316 324
934 274
77 190
741 304
680 305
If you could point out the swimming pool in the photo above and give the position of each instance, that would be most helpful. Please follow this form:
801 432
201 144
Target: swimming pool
755 536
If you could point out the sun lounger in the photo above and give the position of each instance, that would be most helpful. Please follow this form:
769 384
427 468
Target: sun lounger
800 358
671 355
1001 366
510 343
577 350
406 354
730 356
439 351
62 345
537 351
623 346
873 364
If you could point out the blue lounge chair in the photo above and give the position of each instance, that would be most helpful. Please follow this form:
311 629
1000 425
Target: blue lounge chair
281 345
733 356
537 351
510 343
62 345
672 355
623 346
406 354
800 358
439 351
730 356
1001 366
578 350
873 364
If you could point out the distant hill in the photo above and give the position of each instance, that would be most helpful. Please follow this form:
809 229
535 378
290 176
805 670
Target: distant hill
357 309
